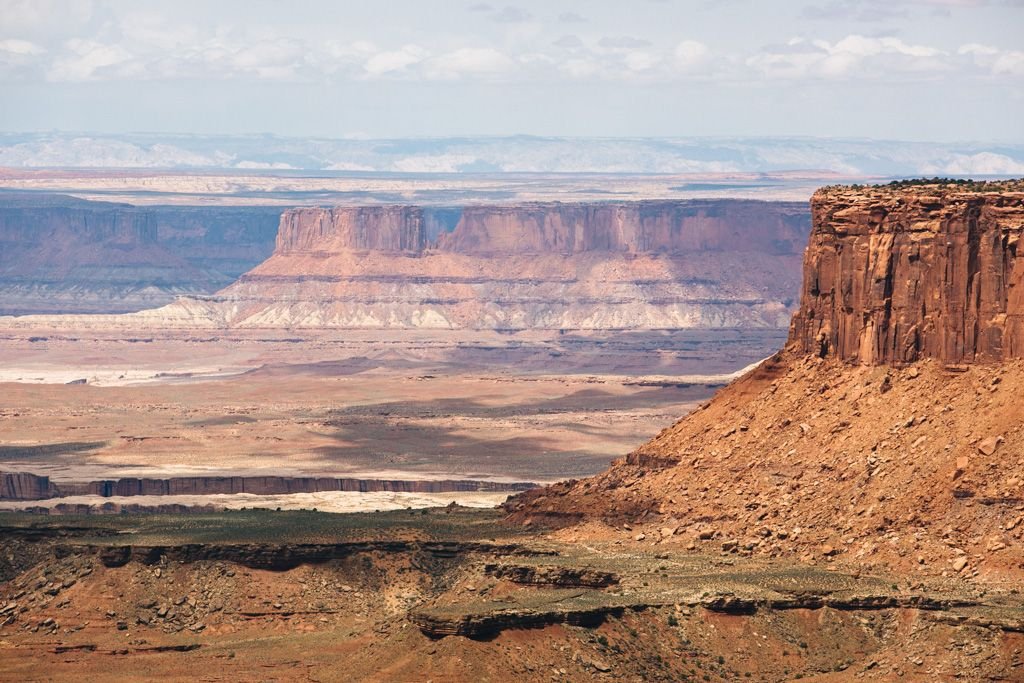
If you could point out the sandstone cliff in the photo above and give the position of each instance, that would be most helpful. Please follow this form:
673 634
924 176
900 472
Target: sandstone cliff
64 255
642 265
885 461
895 275
28 486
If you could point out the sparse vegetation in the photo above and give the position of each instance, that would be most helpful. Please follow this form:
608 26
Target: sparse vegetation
960 184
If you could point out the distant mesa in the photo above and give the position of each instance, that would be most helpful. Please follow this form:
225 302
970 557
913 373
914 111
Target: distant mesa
552 266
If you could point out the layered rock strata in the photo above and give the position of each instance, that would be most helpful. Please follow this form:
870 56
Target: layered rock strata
896 275
642 265
28 486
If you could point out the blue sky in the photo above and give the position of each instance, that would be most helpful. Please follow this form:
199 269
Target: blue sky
913 69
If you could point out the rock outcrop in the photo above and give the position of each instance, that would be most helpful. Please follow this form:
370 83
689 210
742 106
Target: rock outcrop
641 265
910 455
893 275
283 556
25 486
28 486
552 575
60 254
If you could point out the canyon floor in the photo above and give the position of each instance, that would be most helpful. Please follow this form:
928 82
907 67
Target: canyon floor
421 406
415 591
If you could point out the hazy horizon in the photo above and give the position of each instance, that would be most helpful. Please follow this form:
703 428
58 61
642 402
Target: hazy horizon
505 154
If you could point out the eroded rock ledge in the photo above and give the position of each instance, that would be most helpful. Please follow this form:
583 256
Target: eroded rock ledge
28 486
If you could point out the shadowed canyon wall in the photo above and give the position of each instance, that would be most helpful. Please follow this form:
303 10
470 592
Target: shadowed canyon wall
895 275
60 254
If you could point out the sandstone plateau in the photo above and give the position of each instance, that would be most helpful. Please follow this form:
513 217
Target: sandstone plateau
888 431
553 266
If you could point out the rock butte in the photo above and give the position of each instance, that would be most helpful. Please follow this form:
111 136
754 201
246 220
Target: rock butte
637 265
832 447
896 276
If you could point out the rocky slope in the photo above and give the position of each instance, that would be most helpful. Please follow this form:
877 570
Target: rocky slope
59 254
847 445
452 595
642 265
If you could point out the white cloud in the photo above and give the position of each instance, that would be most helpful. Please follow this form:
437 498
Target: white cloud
993 60
20 58
396 60
641 61
863 47
580 68
1009 63
622 42
48 18
690 54
854 56
21 48
143 44
86 60
154 31
480 61
269 59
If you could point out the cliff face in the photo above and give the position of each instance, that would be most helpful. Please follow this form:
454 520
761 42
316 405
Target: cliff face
893 276
28 486
882 460
545 228
25 486
641 265
63 255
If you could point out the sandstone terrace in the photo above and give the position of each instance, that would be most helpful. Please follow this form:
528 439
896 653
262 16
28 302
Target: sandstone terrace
458 595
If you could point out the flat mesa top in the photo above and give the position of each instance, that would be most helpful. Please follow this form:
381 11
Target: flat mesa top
931 187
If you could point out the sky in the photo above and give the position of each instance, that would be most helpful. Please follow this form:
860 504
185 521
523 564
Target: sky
942 70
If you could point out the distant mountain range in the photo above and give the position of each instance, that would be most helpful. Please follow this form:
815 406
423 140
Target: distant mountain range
510 154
